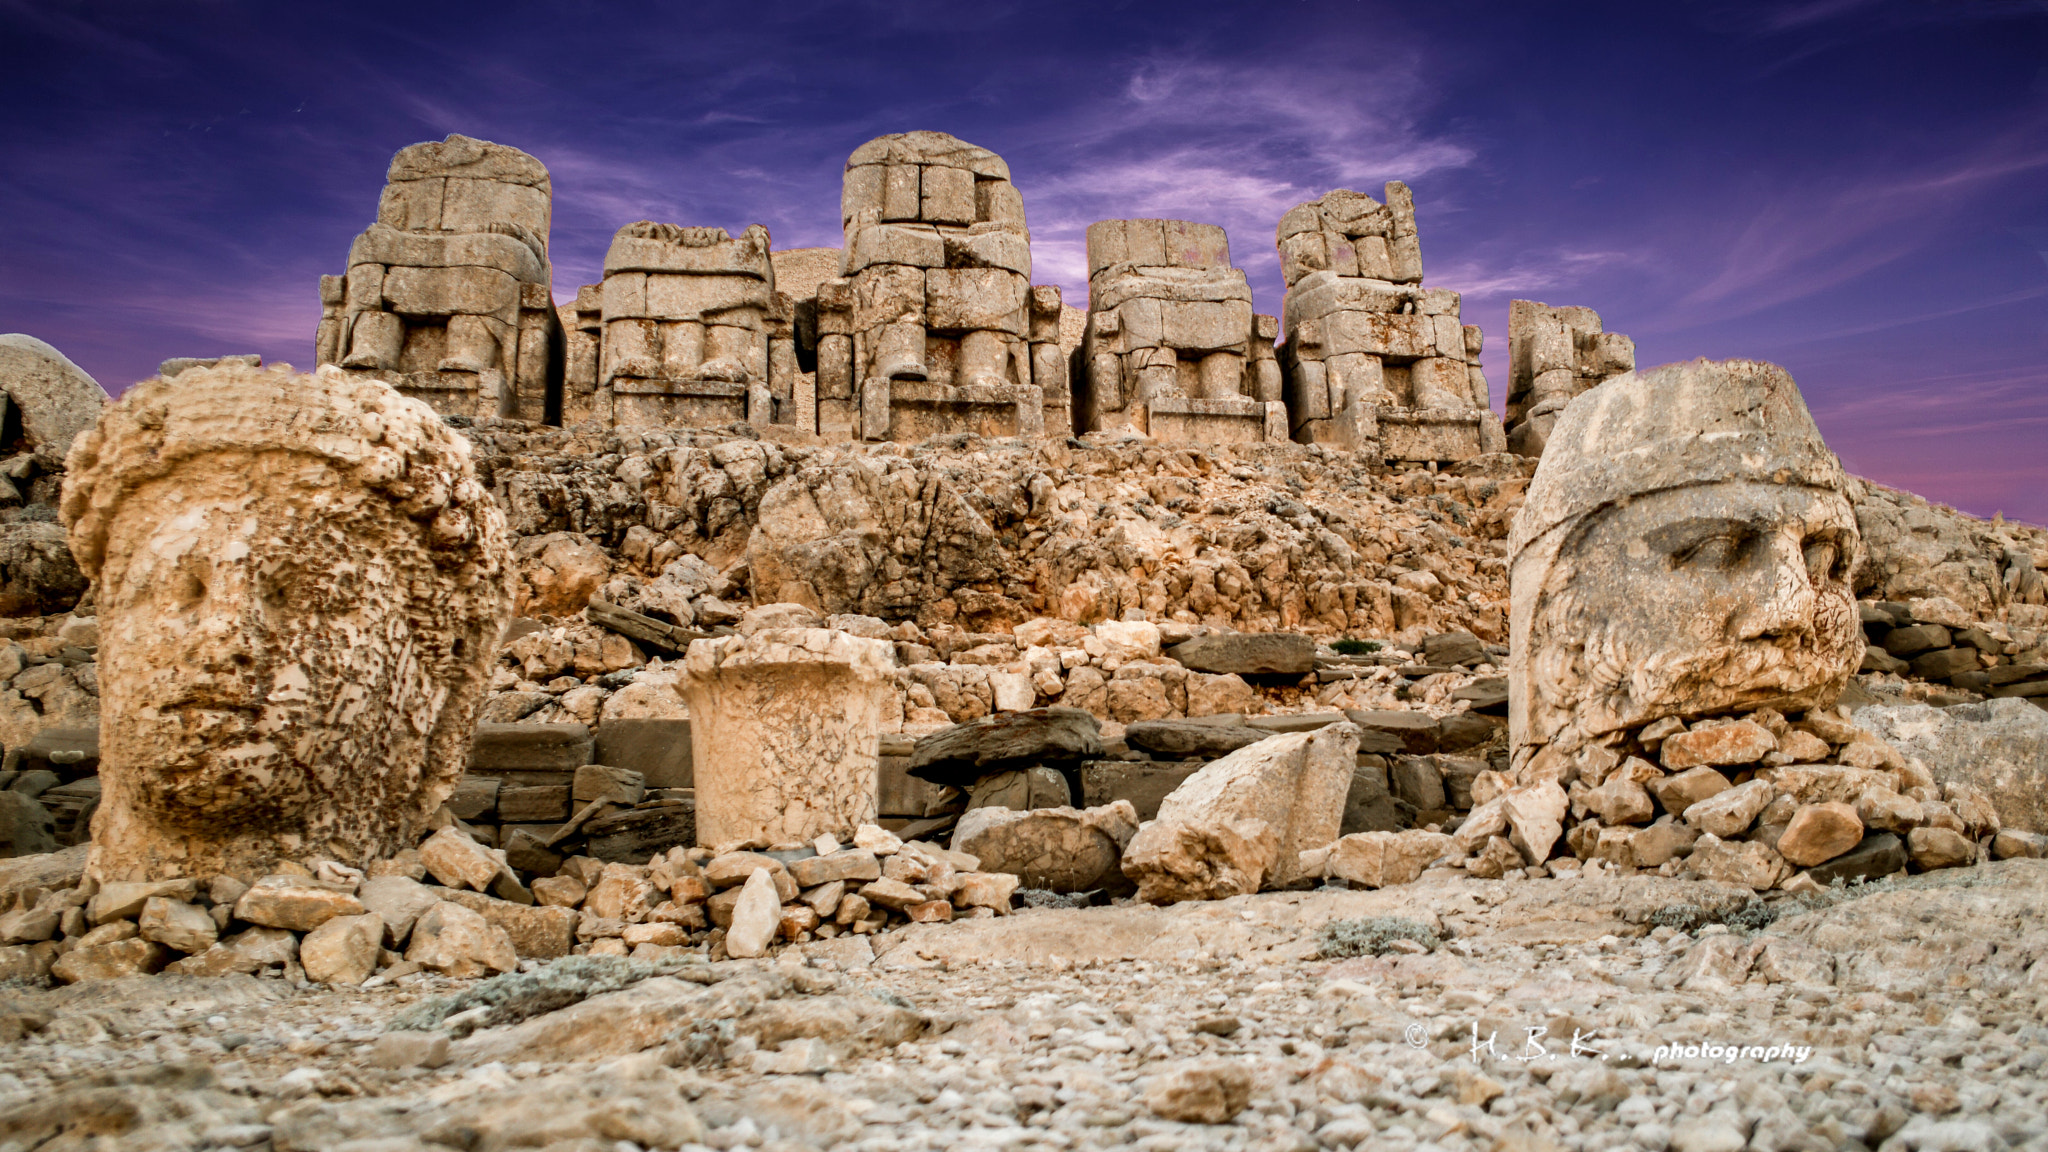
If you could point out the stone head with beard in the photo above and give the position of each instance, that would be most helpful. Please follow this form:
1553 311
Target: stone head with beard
1685 550
301 585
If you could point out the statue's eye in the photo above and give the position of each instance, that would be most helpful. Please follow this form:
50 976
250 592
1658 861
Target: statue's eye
188 587
1825 562
1717 552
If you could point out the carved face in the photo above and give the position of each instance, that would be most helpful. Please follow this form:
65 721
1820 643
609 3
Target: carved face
259 643
1697 600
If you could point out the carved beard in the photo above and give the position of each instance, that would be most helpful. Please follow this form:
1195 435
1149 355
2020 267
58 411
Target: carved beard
1599 675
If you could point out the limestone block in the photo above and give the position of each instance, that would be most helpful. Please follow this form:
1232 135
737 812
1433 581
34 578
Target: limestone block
124 900
900 193
398 901
1294 784
1175 860
1383 859
966 753
460 943
332 515
294 903
882 245
694 253
1203 326
1247 653
1743 742
458 861
344 950
1065 849
1441 382
381 247
1746 862
175 924
1536 814
1819 833
1999 746
997 248
1378 334
1629 533
965 299
946 195
1728 813
538 931
131 957
888 294
785 726
57 400
467 291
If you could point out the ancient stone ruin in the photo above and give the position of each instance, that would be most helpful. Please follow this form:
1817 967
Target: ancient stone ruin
936 310
1553 355
1374 361
846 698
1172 348
302 584
446 297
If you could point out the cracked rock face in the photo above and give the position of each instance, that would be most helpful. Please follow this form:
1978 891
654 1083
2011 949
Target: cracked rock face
301 587
1686 549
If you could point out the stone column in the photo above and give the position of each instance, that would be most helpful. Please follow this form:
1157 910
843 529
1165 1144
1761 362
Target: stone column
784 725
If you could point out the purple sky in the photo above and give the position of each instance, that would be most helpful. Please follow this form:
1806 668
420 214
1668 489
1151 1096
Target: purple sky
1857 190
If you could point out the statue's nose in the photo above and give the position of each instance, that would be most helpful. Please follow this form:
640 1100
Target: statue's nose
1783 593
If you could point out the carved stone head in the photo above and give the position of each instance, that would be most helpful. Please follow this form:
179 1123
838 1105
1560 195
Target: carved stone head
301 585
1686 549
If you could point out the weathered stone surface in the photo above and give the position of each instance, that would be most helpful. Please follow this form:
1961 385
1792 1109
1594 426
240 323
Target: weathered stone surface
1685 549
1933 848
1746 862
1682 791
1175 860
1743 742
965 753
399 900
1819 833
294 903
1389 731
344 950
1181 738
1727 813
785 726
131 957
458 861
1209 1092
845 864
461 943
1999 746
57 400
38 574
1063 849
1382 859
1536 815
1294 785
1248 653
175 924
1879 854
537 931
224 748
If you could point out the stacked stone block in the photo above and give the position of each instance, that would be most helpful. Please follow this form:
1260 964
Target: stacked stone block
446 297
1172 349
1553 355
1374 361
935 326
687 330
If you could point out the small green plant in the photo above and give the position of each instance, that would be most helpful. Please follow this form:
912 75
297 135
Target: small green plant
1750 917
1350 647
1373 936
518 996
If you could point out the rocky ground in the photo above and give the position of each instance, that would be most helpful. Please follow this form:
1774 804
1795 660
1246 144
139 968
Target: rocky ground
1902 1014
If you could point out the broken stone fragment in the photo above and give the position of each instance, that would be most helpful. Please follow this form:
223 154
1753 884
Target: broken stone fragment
131 957
1248 653
460 943
1536 817
398 902
187 928
966 753
1209 1092
1743 742
297 904
1933 848
1062 849
1746 862
1727 813
1383 859
755 917
1820 832
344 950
458 861
123 900
1292 787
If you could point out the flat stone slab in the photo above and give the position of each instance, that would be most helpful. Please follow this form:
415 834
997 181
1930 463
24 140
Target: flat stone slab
1184 739
508 749
964 753
1248 653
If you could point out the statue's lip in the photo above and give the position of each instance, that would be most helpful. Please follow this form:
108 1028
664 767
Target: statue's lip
209 702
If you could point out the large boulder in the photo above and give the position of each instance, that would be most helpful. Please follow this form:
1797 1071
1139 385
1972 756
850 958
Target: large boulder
1292 787
965 753
55 397
38 576
1998 746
